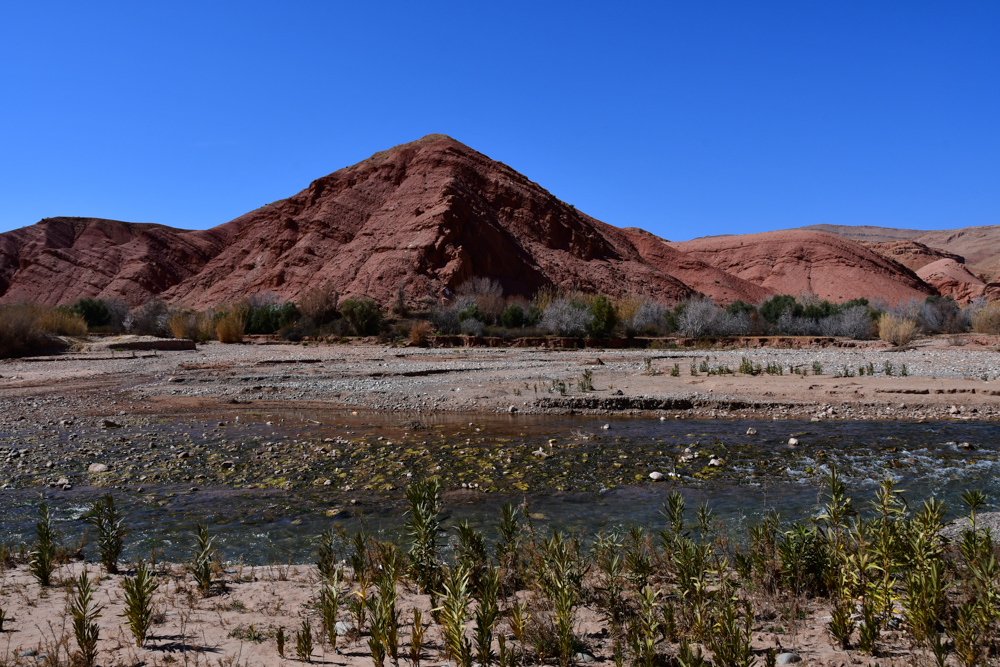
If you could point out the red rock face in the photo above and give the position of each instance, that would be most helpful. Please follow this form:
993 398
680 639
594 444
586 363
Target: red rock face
425 216
913 255
59 260
798 261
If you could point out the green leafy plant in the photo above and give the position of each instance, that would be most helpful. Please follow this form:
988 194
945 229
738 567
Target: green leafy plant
201 562
107 521
279 640
138 612
423 523
304 641
85 613
416 638
586 382
43 555
329 601
363 315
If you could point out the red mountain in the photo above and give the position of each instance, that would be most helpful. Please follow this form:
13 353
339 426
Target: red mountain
425 216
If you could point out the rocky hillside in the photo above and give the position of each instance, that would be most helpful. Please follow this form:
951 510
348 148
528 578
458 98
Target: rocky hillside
424 217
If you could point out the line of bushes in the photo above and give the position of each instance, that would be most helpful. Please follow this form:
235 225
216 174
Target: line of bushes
480 308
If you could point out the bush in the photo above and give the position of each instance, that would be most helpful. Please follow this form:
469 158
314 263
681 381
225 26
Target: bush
985 317
195 326
230 327
471 327
650 318
855 322
62 322
487 294
269 318
697 318
19 331
150 320
896 330
93 311
772 309
513 316
319 304
604 317
420 333
363 315
471 311
566 318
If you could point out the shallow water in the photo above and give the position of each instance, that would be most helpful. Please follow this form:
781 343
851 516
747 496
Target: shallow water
592 479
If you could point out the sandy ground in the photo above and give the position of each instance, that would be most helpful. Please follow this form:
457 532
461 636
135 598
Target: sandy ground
943 381
216 630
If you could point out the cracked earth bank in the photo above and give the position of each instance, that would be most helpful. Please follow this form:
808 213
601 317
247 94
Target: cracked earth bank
943 381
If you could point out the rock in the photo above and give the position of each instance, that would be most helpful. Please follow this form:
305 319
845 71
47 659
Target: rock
966 445
793 442
107 423
512 409
619 392
539 453
606 427
62 481
751 431
656 476
787 658
953 410
30 653
175 379
583 658
715 462
65 422
343 627
97 468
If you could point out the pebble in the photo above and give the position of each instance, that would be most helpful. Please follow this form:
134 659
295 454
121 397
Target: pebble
787 658
656 476
342 627
751 431
583 658
107 423
97 468
793 442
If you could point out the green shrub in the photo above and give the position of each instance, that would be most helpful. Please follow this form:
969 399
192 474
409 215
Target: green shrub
513 316
363 315
471 312
93 311
604 317
43 556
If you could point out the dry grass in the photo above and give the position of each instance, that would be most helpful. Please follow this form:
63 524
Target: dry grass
61 322
198 327
897 330
420 333
230 327
23 328
319 304
986 319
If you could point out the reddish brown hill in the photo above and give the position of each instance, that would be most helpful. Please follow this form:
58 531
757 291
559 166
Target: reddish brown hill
715 283
913 255
798 261
426 215
63 259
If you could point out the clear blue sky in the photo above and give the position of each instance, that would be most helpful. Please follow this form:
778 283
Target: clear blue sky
686 118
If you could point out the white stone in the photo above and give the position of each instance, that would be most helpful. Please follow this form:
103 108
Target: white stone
656 476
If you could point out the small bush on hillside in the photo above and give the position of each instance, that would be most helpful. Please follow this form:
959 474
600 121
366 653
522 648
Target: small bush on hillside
266 316
896 330
363 315
566 318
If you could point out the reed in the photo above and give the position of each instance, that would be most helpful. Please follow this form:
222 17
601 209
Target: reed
138 612
423 523
43 555
330 604
200 565
108 522
279 641
85 612
304 641
416 638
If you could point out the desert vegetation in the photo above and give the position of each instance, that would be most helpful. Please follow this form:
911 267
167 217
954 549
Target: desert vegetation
876 580
480 308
